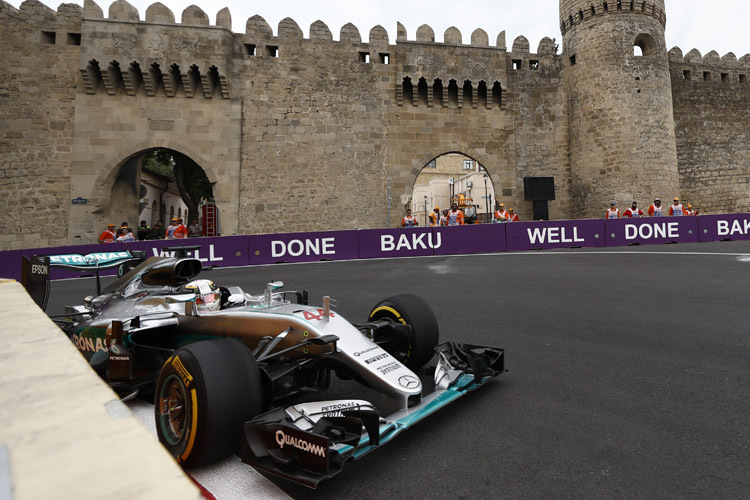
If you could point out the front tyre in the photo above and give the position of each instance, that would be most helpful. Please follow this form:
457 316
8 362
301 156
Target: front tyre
204 394
414 311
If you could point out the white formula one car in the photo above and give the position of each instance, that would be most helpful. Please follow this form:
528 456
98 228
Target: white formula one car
227 367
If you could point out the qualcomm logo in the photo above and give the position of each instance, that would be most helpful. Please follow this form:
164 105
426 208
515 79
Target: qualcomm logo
299 443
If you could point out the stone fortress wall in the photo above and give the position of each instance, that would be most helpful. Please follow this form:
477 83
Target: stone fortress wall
712 126
302 133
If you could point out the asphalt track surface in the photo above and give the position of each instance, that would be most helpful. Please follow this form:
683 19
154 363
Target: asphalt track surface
627 372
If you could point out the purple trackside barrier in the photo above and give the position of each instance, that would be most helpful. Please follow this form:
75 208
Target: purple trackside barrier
219 251
416 242
403 242
651 231
724 227
523 236
302 247
475 238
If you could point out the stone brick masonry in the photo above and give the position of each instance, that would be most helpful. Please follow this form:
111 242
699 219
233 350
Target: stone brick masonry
303 134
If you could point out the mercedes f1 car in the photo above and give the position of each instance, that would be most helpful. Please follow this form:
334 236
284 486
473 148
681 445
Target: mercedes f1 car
226 366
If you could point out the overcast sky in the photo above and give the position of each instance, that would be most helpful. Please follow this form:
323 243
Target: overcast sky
719 25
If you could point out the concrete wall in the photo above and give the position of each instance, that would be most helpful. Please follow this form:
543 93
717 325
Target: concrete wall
61 422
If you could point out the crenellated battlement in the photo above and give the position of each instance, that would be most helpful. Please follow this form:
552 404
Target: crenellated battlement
694 67
255 27
35 12
572 17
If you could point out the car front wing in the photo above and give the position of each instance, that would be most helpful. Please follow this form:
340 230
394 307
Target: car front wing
307 446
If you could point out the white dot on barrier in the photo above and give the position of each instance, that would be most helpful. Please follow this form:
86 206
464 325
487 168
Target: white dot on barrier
596 236
690 231
705 231
612 235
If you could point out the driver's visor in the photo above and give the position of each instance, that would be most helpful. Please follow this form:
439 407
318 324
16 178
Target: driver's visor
207 299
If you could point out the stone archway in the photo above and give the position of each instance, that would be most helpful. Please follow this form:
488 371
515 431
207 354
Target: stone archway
164 175
454 177
115 194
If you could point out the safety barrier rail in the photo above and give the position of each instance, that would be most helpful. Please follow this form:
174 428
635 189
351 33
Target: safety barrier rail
414 242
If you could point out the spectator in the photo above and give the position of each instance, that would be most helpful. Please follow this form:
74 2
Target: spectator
409 220
195 230
676 209
501 215
176 230
655 210
689 210
157 232
444 218
108 235
125 226
613 212
124 234
144 231
455 216
633 212
512 216
435 217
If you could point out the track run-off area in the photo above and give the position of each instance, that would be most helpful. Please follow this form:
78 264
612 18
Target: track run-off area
627 372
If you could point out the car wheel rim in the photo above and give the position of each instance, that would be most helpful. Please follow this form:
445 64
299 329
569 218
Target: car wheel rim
172 410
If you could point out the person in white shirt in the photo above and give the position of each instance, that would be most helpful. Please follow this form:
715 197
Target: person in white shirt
655 210
676 209
613 212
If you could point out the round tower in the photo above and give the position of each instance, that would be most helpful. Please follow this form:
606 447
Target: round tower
622 139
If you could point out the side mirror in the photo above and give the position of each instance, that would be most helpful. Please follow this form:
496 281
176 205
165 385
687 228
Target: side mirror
275 285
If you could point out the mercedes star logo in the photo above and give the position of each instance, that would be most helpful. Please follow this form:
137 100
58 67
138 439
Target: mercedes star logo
408 381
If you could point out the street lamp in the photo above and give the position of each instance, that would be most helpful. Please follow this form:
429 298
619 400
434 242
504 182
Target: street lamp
486 199
451 181
425 210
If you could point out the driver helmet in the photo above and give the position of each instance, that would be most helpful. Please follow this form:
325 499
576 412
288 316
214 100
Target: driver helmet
208 295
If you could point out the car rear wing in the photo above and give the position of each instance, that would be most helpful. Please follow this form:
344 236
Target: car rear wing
35 271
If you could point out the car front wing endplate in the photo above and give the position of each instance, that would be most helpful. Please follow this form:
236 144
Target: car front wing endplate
315 448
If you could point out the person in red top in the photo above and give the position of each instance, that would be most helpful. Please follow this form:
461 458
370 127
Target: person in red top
409 220
677 208
633 211
512 216
656 210
176 230
613 212
689 210
108 235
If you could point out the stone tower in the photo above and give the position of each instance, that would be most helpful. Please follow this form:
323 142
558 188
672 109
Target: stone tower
622 133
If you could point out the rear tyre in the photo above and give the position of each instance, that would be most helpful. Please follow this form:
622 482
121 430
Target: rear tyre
204 394
417 313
